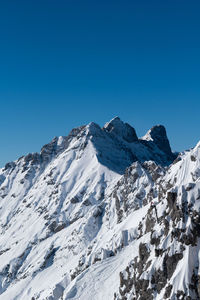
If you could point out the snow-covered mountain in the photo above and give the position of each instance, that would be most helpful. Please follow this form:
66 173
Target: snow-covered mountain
101 214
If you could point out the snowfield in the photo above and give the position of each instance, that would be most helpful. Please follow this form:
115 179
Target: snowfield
101 214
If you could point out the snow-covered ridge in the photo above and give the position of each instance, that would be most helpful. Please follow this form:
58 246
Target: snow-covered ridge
101 214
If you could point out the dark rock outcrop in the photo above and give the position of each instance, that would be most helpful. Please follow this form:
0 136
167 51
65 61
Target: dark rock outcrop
119 128
159 137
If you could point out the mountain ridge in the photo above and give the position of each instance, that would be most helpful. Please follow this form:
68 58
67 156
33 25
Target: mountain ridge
58 144
100 214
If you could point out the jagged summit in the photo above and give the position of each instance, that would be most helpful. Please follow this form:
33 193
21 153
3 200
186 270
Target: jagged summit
158 135
119 128
117 142
103 210
116 145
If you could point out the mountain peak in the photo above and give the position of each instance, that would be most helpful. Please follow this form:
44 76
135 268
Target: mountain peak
158 135
94 205
121 129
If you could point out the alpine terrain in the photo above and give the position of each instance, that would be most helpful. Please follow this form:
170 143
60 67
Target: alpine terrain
101 214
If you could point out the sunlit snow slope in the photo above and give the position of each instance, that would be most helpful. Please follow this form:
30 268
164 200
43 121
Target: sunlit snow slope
101 214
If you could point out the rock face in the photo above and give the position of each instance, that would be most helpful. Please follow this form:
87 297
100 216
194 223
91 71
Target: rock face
119 128
159 137
103 210
157 134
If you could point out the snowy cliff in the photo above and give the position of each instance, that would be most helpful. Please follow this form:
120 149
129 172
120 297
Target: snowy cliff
101 214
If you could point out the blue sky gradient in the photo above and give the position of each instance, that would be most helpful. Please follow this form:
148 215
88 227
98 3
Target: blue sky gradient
66 63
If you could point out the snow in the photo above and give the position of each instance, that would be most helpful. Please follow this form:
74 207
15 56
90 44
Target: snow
72 217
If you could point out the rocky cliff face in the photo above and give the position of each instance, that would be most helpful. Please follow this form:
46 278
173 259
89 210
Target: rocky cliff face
101 214
166 264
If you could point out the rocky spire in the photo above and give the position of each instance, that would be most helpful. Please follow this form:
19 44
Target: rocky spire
119 128
158 135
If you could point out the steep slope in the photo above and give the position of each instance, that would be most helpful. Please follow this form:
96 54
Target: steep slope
70 216
166 263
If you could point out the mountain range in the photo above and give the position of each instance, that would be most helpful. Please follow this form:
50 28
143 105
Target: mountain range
101 214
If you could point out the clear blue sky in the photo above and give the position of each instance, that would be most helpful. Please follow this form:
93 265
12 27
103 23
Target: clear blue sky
66 63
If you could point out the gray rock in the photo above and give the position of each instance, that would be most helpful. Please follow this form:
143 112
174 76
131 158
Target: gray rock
171 199
121 129
159 137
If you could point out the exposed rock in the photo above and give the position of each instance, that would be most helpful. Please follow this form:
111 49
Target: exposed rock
86 202
74 200
171 200
10 165
189 186
159 136
170 263
150 221
167 291
54 227
193 158
121 129
95 194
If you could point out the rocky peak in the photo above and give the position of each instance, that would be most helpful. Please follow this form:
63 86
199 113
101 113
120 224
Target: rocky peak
94 129
92 205
51 148
158 135
121 129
